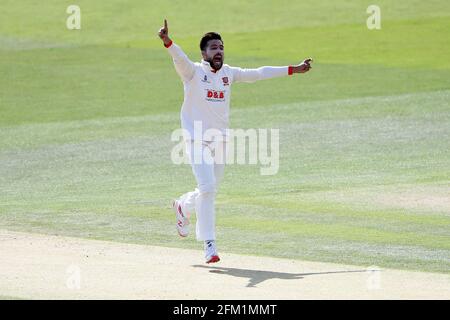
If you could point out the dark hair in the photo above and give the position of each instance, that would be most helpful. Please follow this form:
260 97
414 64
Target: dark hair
209 36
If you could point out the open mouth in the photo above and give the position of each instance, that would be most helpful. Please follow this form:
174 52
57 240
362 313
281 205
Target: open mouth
217 59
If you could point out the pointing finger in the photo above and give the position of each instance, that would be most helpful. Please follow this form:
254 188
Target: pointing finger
165 24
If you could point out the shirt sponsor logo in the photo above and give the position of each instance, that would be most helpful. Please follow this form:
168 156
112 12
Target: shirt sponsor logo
215 96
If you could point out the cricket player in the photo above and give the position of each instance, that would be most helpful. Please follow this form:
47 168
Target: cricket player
206 105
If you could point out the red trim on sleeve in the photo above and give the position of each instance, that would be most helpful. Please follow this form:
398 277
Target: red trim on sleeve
290 70
168 45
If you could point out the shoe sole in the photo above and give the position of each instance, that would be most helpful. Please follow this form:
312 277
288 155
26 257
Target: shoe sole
213 259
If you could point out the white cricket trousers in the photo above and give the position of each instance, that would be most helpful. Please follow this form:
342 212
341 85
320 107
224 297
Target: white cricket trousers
207 160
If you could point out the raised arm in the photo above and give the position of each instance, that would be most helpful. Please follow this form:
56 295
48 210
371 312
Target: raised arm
183 66
252 75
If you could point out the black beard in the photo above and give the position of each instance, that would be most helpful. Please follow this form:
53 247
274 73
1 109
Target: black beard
211 63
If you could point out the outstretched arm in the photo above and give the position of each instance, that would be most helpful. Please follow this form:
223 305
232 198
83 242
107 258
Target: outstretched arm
252 75
183 66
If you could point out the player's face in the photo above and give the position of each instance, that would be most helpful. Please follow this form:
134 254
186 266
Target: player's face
214 54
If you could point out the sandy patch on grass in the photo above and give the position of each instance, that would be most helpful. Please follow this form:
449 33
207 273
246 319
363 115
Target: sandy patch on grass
416 201
416 198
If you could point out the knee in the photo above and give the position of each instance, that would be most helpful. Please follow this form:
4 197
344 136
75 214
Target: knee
209 188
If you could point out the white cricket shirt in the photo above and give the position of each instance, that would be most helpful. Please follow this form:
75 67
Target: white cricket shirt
207 92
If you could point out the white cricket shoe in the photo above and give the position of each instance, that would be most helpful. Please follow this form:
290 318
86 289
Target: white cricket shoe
182 219
211 252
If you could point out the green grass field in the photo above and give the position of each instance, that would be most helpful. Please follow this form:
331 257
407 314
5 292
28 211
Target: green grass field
86 117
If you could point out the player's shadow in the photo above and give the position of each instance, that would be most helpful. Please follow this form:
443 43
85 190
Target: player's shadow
257 276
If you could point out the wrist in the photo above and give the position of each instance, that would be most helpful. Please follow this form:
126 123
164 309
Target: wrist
167 42
291 70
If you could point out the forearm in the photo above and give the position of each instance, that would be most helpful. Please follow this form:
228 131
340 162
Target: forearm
266 72
183 65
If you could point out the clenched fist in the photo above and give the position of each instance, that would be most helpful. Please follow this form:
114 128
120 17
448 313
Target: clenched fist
303 67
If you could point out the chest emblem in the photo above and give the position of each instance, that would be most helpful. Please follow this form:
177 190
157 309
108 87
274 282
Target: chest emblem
225 81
